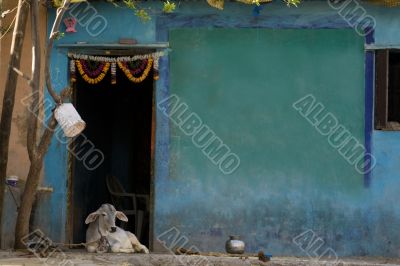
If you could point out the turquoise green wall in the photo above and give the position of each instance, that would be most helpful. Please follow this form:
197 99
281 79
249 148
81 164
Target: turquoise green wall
242 84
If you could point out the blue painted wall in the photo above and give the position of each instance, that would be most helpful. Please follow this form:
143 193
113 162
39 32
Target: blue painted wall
351 220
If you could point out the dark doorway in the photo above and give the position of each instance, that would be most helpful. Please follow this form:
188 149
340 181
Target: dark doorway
119 121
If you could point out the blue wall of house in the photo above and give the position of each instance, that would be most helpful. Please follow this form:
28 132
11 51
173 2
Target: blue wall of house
351 218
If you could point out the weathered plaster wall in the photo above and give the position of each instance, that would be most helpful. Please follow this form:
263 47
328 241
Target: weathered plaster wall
286 166
352 220
18 161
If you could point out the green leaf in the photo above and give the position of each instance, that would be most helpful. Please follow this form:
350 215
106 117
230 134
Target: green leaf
143 15
169 7
292 2
130 4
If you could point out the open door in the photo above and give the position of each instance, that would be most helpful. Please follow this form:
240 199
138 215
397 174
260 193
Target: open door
119 125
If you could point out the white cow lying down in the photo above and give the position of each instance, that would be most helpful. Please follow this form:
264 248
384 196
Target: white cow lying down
102 223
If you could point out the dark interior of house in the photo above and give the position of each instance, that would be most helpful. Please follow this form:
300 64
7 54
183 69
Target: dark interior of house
118 122
394 87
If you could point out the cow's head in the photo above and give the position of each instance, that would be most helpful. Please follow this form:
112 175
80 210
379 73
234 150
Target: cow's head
106 215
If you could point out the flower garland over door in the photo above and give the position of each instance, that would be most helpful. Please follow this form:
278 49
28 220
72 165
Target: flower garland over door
93 69
144 69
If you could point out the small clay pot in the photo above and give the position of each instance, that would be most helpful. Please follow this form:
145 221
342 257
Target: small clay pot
234 245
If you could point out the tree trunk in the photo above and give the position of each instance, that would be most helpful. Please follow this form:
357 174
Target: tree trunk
28 198
9 95
37 151
32 180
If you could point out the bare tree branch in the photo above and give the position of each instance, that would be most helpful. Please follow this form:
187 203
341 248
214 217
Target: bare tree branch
19 72
50 128
53 35
32 135
46 137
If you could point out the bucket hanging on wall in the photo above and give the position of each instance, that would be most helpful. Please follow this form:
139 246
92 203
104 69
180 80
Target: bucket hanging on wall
69 120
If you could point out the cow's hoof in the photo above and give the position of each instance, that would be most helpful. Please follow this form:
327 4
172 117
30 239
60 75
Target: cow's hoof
91 249
145 250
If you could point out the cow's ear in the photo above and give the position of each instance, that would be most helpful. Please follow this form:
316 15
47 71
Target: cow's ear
121 216
92 217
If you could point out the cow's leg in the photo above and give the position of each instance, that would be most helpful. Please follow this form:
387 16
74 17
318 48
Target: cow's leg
115 248
91 248
127 250
136 244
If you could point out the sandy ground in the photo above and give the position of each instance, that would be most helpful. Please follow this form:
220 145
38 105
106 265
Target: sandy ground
83 258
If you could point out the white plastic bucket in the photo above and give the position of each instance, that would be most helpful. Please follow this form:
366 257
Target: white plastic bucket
69 120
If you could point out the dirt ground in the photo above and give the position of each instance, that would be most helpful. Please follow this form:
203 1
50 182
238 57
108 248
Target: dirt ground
86 259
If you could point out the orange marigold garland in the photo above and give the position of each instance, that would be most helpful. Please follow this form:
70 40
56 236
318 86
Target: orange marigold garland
93 69
92 77
124 67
